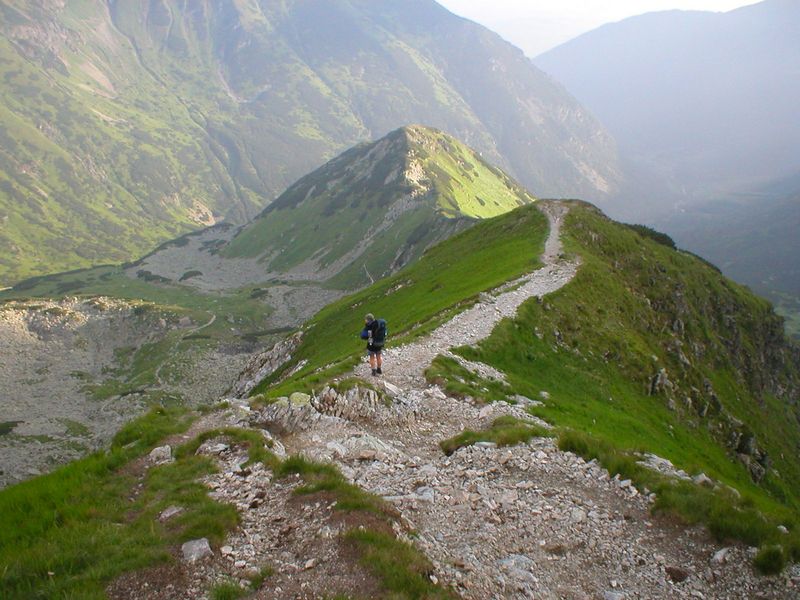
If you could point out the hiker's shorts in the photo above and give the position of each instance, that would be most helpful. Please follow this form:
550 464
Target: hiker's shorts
374 350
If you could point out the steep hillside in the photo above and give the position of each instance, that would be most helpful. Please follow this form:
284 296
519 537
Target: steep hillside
705 101
647 350
127 123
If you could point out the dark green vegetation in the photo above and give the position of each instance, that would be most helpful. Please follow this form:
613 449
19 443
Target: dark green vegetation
504 431
375 208
127 123
448 277
401 568
649 349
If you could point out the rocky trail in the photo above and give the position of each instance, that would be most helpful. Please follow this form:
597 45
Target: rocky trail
528 521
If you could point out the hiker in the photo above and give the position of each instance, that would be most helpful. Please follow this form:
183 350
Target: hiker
375 333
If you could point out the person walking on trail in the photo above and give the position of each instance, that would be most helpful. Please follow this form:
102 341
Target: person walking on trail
375 333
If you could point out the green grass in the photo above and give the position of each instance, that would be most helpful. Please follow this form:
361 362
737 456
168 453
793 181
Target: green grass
322 477
460 382
504 431
227 590
449 275
68 533
404 571
88 522
770 560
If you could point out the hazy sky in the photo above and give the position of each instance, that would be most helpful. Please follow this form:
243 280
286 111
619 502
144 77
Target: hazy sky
538 25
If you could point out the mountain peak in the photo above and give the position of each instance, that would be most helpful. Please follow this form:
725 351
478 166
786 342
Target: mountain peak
402 192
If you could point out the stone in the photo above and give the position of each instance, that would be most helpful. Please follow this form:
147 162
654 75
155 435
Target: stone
195 550
544 395
299 399
486 411
170 512
240 564
226 550
677 574
338 450
577 516
613 596
782 529
391 389
310 564
703 480
216 448
160 455
425 494
720 556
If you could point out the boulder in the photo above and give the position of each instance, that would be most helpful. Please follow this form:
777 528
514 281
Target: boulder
160 455
195 550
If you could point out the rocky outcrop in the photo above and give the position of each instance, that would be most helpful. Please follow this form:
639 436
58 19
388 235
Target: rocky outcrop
265 364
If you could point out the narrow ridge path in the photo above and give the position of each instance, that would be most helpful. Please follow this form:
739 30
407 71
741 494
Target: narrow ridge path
523 522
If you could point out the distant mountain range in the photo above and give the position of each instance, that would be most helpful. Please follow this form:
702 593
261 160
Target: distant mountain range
126 123
704 109
702 103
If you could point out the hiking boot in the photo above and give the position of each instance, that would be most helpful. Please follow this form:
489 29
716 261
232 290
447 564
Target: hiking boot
379 371
374 372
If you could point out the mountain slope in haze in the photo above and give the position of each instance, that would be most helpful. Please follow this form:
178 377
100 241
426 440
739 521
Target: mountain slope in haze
754 240
127 123
371 211
705 101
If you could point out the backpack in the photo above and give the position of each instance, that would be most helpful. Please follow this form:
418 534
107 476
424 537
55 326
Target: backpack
379 335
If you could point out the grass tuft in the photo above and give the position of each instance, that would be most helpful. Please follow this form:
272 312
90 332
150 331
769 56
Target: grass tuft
770 560
504 431
227 590
405 572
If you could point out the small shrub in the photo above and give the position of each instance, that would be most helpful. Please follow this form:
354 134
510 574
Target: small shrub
226 591
770 560
190 274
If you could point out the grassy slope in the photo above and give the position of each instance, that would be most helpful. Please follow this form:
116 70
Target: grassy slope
452 273
595 345
328 213
91 172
